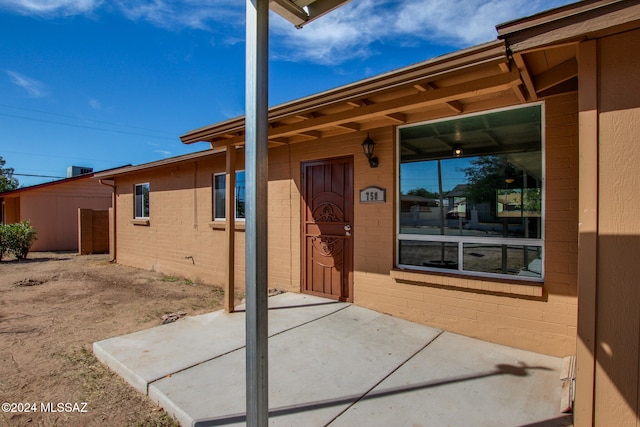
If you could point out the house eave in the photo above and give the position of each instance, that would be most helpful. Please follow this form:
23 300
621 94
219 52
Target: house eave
583 20
462 61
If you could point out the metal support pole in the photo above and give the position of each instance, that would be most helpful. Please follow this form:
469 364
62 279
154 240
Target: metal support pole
256 166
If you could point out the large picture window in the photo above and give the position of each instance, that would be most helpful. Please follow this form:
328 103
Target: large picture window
472 194
219 195
141 204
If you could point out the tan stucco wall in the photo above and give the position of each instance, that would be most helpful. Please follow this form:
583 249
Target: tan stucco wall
617 346
180 218
53 211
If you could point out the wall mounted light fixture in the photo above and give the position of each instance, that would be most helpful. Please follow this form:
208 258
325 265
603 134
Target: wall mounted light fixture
509 174
368 146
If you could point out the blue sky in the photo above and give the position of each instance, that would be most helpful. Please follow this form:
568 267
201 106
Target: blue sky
102 83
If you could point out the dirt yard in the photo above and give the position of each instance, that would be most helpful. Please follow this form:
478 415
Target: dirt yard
53 306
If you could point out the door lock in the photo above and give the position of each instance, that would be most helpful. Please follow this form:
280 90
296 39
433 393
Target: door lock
347 229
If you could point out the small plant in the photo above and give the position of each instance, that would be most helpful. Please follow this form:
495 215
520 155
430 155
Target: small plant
4 244
17 239
176 279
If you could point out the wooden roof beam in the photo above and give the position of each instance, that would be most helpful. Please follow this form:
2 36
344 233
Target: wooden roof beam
521 94
399 118
479 87
353 127
455 106
526 77
311 134
482 86
307 116
277 142
421 87
359 103
556 75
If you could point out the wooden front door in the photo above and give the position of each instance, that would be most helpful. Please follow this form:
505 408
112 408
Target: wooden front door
327 215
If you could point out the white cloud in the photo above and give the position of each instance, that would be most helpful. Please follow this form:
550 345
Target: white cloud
95 104
164 153
50 7
175 14
350 31
33 87
345 33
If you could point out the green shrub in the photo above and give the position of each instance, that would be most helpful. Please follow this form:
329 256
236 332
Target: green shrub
3 240
16 239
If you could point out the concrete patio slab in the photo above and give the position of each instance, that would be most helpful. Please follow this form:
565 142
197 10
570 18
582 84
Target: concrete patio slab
146 356
341 365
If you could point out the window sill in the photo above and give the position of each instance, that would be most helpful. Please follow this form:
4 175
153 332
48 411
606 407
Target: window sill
460 282
140 221
222 225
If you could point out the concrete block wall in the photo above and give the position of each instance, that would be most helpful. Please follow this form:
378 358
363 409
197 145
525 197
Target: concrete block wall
179 238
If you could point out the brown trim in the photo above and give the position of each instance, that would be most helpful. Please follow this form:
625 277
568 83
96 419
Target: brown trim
579 21
548 16
493 286
221 225
587 233
230 221
142 222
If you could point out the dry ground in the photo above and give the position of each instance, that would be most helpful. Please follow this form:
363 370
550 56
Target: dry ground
53 306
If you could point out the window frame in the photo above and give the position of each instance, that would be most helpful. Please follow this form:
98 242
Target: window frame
213 199
461 240
135 200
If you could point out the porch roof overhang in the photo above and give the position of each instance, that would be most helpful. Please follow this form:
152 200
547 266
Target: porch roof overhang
301 12
534 57
449 84
543 47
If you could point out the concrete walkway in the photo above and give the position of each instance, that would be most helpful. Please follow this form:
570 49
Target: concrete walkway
333 363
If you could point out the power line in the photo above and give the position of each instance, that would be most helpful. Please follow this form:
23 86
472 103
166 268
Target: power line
38 176
87 127
85 119
31 154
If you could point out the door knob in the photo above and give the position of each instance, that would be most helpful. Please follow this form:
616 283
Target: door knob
347 227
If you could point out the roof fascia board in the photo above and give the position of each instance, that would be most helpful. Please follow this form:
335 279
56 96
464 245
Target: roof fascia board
159 163
289 11
575 22
300 17
456 62
46 184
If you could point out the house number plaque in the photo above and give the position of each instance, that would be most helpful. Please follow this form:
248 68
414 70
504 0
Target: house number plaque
373 195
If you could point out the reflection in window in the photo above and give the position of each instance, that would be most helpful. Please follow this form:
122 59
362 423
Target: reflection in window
219 196
141 202
479 211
